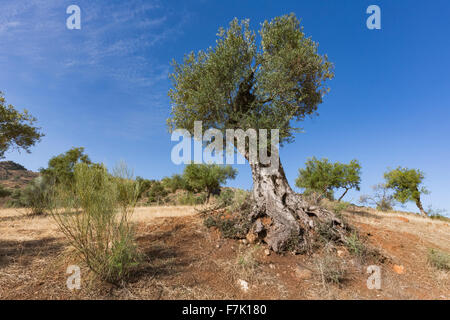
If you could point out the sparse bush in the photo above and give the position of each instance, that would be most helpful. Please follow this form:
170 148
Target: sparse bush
355 246
233 218
231 226
246 260
36 196
339 207
157 193
327 233
4 192
144 186
439 259
191 199
438 214
94 216
331 268
174 183
382 199
233 199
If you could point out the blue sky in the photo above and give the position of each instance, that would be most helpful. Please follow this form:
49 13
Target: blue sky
104 87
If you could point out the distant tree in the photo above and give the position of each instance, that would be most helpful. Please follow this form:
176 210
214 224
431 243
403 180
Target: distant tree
157 193
17 129
381 198
61 168
174 183
207 177
349 176
144 186
406 184
322 176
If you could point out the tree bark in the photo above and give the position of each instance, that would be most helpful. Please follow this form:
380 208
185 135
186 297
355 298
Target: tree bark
419 205
343 195
280 215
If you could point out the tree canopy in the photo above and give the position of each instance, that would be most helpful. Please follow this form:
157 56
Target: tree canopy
406 184
17 129
207 177
243 83
61 168
323 176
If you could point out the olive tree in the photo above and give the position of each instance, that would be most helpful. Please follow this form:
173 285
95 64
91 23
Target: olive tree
323 176
207 177
406 184
245 82
17 129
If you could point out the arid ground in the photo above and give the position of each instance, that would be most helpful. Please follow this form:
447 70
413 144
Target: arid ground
185 260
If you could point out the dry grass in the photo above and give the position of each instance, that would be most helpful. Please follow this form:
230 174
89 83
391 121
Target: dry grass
187 261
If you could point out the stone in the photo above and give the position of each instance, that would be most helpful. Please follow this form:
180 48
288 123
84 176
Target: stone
267 252
251 237
399 269
243 284
302 273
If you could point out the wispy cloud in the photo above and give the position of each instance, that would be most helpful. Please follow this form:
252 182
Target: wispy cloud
116 37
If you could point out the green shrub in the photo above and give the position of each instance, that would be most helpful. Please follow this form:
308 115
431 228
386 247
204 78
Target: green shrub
36 196
157 193
174 183
190 199
4 192
339 207
233 199
355 246
439 259
100 232
144 186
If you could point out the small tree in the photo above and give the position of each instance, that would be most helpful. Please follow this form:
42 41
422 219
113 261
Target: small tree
157 192
144 186
207 177
61 168
322 177
17 130
381 198
406 184
174 183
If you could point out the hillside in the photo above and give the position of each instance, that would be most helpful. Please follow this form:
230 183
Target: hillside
185 260
14 175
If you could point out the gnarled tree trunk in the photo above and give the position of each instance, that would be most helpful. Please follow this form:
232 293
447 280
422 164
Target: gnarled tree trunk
419 205
280 216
